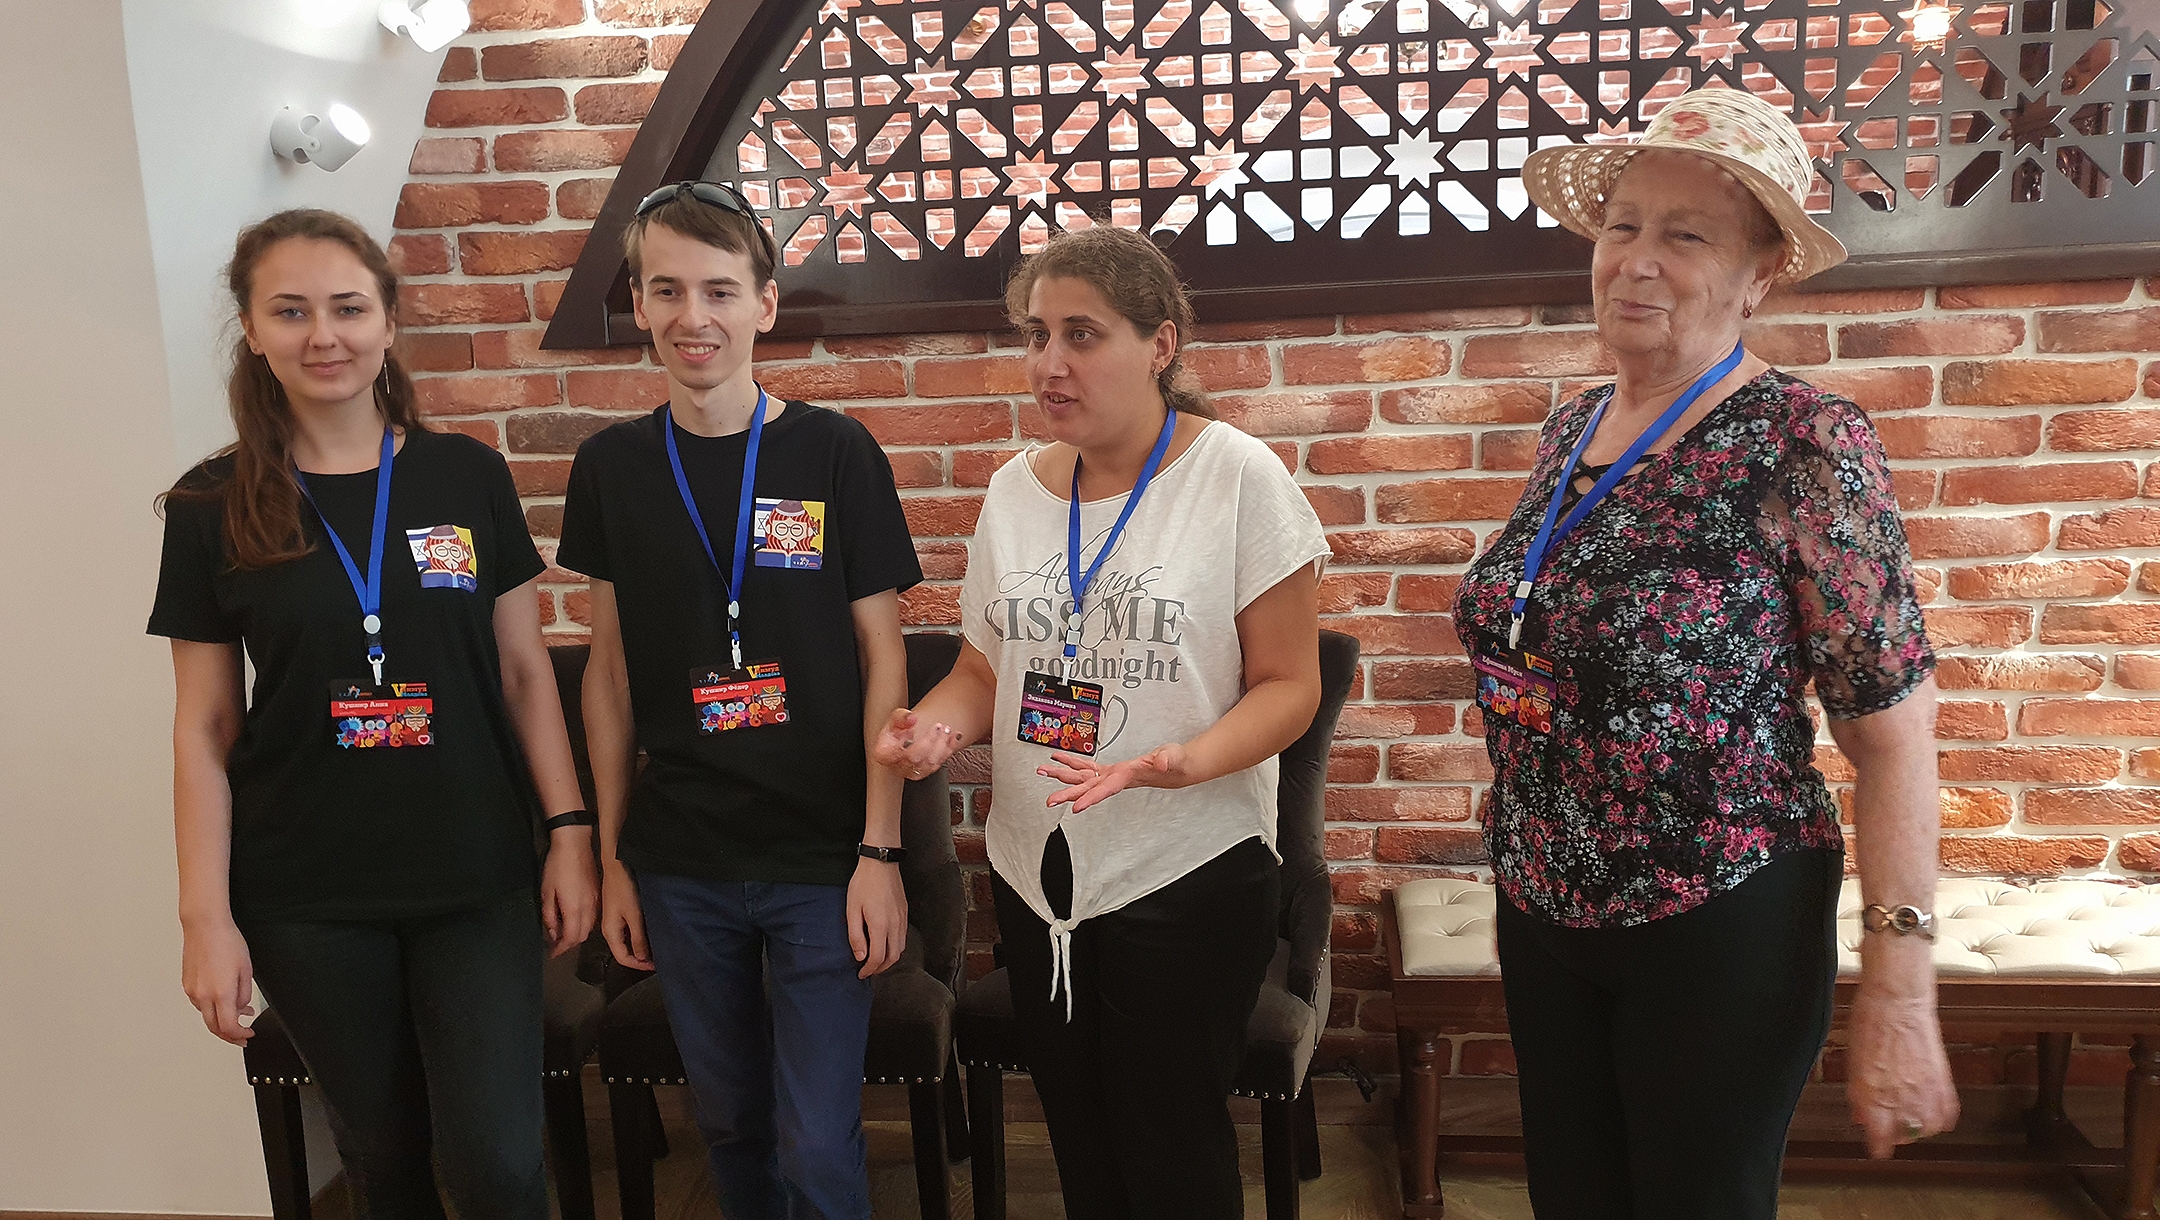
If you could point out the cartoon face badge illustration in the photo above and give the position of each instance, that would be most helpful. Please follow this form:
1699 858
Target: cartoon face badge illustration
790 533
411 726
445 557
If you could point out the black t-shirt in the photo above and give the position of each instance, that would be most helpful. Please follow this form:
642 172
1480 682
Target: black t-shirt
324 832
776 802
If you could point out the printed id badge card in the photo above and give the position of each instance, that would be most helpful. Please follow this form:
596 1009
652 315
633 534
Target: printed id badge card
365 716
747 698
1516 686
1059 713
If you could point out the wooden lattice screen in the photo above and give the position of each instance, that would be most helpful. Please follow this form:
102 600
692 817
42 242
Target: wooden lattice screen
1310 156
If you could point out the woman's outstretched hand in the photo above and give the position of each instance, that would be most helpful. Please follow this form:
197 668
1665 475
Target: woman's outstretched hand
1088 782
912 748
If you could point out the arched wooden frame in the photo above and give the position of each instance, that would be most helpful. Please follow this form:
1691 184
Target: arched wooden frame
725 57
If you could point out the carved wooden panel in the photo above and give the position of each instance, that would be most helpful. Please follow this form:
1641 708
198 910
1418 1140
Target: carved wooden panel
1304 156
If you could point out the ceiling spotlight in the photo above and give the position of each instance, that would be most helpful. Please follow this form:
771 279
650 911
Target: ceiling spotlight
432 24
313 140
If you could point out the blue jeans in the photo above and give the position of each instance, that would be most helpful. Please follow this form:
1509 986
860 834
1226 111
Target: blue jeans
771 1021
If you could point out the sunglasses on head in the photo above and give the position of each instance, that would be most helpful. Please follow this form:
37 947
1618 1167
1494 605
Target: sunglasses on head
718 194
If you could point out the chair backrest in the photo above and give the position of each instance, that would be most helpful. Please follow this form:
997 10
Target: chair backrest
569 662
1308 908
937 905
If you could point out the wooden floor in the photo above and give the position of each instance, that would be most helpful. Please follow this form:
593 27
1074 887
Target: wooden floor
1360 1184
1358 1154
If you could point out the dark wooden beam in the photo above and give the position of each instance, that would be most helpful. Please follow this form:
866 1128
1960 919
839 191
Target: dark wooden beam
675 142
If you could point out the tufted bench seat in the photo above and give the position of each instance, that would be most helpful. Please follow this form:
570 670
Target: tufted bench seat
2052 960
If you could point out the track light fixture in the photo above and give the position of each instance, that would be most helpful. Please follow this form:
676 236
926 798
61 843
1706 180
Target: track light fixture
326 143
431 24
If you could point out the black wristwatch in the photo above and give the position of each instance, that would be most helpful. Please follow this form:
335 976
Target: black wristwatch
575 817
888 855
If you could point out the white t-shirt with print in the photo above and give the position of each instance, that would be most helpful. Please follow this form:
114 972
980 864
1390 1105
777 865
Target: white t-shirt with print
1219 526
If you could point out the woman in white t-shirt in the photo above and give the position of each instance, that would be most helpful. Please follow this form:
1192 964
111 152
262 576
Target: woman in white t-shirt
1133 738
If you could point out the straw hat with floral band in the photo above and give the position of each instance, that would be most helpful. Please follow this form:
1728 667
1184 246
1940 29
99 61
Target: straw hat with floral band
1742 134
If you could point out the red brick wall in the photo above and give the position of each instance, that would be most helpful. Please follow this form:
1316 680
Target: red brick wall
2021 419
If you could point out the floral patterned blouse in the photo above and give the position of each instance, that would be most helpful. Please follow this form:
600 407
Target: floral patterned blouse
1686 615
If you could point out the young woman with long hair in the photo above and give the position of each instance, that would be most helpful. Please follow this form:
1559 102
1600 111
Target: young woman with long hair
358 834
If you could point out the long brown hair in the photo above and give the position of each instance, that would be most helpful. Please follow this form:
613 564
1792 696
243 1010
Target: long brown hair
1136 278
262 503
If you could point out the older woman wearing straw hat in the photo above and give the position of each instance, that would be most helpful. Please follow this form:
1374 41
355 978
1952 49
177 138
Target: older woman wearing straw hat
1698 542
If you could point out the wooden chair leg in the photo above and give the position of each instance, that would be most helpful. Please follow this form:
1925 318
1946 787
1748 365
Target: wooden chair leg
631 1109
956 1119
1417 1129
567 1148
1278 1159
284 1141
2048 1121
655 1126
986 1140
926 1122
2141 1128
1306 1115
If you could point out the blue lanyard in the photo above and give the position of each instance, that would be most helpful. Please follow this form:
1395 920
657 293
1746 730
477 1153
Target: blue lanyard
745 507
1079 581
369 591
1548 535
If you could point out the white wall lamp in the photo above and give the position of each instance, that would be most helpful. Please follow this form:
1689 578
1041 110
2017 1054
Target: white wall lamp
431 24
326 143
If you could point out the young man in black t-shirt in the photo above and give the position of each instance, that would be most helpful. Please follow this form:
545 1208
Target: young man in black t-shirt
746 637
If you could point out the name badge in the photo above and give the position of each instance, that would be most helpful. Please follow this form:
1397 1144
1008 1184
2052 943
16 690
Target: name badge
1060 713
364 716
1516 686
747 698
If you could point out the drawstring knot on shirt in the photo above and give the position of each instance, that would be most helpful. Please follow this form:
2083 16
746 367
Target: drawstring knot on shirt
1061 934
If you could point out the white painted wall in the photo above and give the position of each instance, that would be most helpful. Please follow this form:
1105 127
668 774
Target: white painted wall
206 75
139 146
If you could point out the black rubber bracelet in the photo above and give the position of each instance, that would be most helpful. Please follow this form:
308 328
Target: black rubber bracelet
888 855
576 817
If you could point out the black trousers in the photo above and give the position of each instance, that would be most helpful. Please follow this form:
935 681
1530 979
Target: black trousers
1660 1064
424 1035
1136 1086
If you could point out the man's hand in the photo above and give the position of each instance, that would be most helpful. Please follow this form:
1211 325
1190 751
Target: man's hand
621 922
876 915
